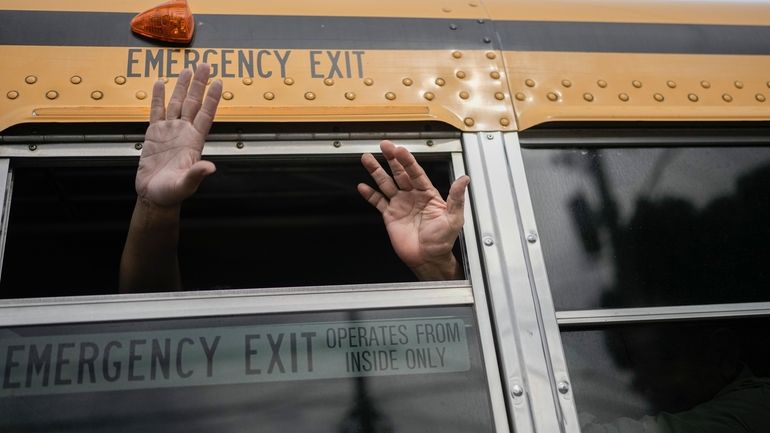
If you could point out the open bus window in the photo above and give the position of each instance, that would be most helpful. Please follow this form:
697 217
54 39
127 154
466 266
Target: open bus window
258 222
379 371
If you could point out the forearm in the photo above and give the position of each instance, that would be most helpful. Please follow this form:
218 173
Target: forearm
149 262
445 268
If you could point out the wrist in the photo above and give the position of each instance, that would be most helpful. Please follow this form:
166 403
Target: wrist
151 215
438 269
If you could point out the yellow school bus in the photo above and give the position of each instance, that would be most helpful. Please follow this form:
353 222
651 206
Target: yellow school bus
615 247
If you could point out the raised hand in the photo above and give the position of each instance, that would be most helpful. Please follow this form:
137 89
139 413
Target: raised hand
422 226
170 168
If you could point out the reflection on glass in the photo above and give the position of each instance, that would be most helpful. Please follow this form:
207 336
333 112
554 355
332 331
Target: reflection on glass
652 227
276 373
704 377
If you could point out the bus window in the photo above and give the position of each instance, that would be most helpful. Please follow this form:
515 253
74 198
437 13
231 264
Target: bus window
401 370
257 222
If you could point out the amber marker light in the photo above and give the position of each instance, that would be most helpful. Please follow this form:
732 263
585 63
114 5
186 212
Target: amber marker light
169 22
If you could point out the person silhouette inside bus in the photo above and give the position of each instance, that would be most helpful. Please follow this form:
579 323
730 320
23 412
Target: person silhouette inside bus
422 226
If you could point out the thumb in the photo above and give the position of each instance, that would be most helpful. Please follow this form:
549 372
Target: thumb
194 176
456 200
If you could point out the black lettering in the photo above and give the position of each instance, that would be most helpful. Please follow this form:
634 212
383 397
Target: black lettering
160 358
246 64
38 363
293 348
453 332
225 62
347 63
214 66
331 338
360 62
282 61
106 362
275 360
131 62
133 357
334 67
209 353
154 62
260 71
9 364
61 361
249 352
404 338
441 351
191 58
170 62
87 360
314 63
183 374
308 336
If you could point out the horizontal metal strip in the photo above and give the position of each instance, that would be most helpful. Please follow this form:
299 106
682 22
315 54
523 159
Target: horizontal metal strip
636 137
305 32
227 148
661 314
231 302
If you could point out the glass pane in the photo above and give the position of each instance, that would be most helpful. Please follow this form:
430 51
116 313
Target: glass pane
654 226
703 377
409 370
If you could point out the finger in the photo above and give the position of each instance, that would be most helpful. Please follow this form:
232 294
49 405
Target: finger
194 176
399 174
192 103
180 91
158 104
205 116
417 176
373 197
456 200
383 179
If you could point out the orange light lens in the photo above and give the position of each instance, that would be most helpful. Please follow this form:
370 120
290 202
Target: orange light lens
169 22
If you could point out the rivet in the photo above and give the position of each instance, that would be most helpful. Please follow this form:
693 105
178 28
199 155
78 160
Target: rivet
469 121
464 95
12 94
97 95
30 79
488 241
227 96
490 137
738 84
637 84
499 96
429 143
440 82
487 39
52 94
248 81
588 97
447 10
288 81
75 79
138 146
491 55
520 96
553 97
407 82
529 82
671 84
269 96
429 96
141 95
495 75
32 147
705 84
566 83
368 81
350 96
727 98
532 237
460 74
453 27
120 80
239 145
337 144
480 21
517 391
390 96
504 121
309 96
768 84
329 82
623 97
601 83
457 54
692 97
563 387
658 97
760 97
